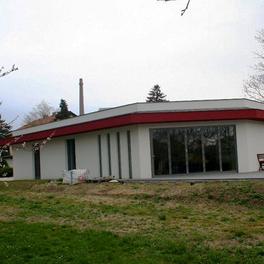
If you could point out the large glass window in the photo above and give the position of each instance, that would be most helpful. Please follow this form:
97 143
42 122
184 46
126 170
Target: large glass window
160 151
195 152
228 148
178 154
211 148
193 149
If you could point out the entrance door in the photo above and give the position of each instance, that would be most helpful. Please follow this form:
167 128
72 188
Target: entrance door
37 164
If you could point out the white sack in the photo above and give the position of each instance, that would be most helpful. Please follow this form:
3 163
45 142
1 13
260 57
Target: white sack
75 176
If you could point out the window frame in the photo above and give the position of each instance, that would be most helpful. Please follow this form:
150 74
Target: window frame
220 171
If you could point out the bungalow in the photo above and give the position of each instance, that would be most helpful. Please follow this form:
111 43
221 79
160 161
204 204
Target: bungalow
145 140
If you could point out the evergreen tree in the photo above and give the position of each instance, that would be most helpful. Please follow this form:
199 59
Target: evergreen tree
156 95
4 129
4 133
64 113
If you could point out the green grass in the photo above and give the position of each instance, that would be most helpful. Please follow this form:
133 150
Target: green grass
47 222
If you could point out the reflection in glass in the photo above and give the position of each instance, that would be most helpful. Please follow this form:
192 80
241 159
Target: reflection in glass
177 141
211 148
194 144
160 152
228 148
195 149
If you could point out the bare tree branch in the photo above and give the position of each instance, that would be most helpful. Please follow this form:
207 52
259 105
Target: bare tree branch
254 86
183 10
13 120
187 6
41 110
4 73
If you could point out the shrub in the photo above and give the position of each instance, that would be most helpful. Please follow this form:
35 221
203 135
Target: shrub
6 172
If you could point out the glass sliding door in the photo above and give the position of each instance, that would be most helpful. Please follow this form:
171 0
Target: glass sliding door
228 148
193 149
211 148
160 152
178 155
195 153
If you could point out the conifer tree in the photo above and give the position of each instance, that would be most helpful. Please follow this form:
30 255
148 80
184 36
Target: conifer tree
64 113
156 95
4 129
4 133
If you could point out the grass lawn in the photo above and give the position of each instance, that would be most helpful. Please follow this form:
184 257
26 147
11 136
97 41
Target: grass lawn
216 222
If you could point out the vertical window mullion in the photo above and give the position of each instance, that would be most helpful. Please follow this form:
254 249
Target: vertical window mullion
100 155
119 155
219 149
186 151
109 154
169 150
203 151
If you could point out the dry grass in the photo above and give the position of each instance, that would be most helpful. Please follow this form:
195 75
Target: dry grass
222 214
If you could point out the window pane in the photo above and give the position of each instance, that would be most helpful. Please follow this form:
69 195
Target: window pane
177 141
37 164
71 154
211 148
160 152
194 149
228 148
206 148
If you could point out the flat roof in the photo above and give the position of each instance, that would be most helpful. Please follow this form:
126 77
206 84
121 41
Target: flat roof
143 107
144 113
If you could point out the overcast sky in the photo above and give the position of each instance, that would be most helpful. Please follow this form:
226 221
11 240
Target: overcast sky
122 48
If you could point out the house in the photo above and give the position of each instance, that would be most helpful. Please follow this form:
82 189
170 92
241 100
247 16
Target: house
45 120
145 140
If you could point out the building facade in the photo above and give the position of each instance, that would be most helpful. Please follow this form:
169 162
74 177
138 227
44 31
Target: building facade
145 140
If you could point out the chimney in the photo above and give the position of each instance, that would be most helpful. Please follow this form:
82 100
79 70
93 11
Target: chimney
81 104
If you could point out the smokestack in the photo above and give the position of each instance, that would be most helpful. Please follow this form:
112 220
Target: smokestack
81 104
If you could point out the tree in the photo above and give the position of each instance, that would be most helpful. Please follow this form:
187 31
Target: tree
183 10
5 129
155 95
254 86
40 111
4 73
64 112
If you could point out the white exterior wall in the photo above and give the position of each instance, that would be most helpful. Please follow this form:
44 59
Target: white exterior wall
249 136
23 164
87 152
114 155
53 155
53 159
250 142
86 149
144 153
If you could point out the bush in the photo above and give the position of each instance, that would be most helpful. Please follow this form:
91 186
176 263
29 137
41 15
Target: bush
6 172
